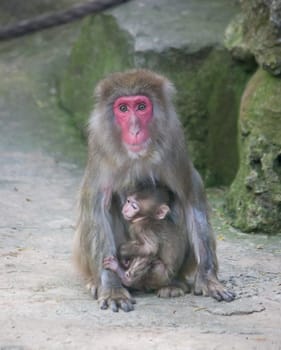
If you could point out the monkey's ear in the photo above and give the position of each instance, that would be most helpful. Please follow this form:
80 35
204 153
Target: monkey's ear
162 211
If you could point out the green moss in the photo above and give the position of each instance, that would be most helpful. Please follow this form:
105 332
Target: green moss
93 56
262 101
228 80
261 36
255 195
235 42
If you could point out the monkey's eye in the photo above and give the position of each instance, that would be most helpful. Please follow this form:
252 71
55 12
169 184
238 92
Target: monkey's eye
141 106
134 205
123 108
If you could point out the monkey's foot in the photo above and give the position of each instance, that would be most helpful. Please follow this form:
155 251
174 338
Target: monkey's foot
170 292
91 287
115 299
212 287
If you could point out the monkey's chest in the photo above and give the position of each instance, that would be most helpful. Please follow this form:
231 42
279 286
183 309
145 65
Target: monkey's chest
136 175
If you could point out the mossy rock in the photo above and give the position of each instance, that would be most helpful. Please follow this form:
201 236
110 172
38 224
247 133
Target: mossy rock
94 55
185 43
255 195
236 44
256 32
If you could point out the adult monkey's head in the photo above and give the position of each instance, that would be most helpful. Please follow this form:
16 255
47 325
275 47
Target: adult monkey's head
132 112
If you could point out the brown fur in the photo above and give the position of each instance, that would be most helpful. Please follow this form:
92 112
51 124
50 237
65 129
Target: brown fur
111 171
156 248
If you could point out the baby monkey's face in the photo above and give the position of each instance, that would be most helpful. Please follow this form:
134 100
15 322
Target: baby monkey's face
131 208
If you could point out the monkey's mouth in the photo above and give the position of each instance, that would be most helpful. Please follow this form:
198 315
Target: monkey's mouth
135 148
126 217
138 147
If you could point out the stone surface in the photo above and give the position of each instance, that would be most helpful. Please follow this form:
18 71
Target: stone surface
43 303
235 41
190 53
257 32
255 195
275 12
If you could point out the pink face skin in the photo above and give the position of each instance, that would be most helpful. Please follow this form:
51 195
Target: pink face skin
130 208
133 114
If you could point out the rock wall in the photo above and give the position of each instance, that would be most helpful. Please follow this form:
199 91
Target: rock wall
256 32
255 195
184 41
254 200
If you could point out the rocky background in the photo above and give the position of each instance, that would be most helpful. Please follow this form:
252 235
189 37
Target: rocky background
224 58
255 195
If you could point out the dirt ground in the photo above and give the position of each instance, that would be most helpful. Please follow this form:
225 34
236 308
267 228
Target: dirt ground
43 302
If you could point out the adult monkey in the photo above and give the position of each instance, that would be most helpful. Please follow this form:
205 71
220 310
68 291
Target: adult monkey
135 135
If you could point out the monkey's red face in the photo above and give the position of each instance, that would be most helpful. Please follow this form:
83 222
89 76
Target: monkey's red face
133 114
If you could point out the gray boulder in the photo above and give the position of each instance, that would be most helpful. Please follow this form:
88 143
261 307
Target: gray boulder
257 33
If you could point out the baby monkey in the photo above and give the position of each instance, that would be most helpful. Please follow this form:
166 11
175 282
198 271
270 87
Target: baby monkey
152 257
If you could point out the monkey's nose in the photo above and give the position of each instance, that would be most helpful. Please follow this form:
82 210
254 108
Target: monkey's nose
134 131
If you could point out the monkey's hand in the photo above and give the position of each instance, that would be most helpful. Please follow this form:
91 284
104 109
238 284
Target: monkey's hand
115 299
209 285
111 263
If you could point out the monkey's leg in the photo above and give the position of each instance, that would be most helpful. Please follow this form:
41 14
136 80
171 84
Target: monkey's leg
112 263
160 278
93 242
206 280
80 257
109 232
203 244
209 285
113 295
108 289
139 267
175 289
